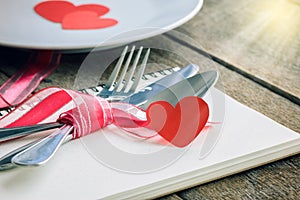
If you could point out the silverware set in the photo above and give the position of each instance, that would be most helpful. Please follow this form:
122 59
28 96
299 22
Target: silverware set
121 86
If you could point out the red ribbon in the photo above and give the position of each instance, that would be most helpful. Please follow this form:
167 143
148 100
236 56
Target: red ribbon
85 112
179 125
18 87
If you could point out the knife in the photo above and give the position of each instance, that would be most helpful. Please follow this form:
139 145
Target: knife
136 99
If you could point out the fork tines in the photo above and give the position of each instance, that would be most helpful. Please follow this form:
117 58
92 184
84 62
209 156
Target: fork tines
127 81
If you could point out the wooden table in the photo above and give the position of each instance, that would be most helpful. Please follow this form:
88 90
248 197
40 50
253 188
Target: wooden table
256 46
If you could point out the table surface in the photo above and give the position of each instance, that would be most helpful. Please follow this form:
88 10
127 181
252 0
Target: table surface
255 45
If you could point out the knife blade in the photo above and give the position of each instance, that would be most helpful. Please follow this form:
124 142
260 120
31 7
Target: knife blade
197 85
153 89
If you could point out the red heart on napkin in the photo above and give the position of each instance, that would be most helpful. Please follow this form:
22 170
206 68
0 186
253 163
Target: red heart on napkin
86 20
179 125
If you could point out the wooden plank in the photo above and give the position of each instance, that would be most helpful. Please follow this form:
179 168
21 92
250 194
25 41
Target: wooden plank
259 37
279 180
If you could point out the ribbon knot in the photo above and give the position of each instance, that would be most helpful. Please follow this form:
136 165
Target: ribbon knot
88 116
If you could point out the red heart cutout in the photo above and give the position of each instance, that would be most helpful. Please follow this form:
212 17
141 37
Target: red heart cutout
179 125
55 11
86 20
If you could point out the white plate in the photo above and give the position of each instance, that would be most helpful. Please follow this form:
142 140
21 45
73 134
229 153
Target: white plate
22 27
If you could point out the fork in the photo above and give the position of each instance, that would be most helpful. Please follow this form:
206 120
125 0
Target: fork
41 151
125 85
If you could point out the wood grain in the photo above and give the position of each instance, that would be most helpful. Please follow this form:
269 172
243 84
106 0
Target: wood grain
259 38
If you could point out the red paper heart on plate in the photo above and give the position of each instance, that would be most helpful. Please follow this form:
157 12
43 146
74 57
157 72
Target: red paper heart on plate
55 11
86 20
179 125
